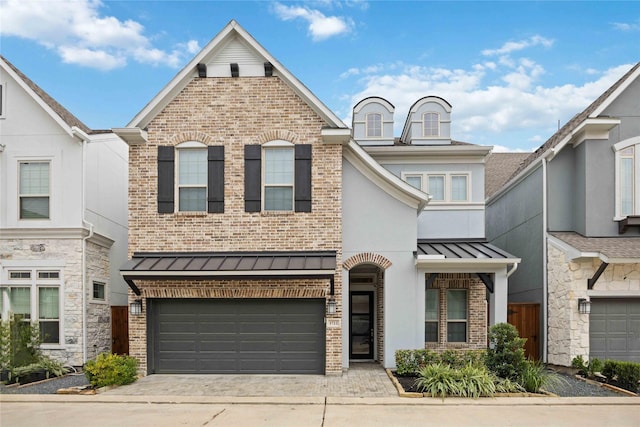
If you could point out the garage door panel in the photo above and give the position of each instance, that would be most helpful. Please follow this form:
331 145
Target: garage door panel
238 336
613 329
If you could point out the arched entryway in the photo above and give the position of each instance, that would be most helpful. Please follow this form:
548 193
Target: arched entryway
364 307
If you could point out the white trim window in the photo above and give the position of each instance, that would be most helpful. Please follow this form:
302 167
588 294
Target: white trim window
278 176
457 309
459 188
34 189
414 180
431 315
627 158
373 125
99 291
436 187
192 178
431 124
34 295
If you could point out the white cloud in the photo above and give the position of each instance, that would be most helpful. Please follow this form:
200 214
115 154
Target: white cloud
510 47
503 149
80 35
321 27
625 26
488 103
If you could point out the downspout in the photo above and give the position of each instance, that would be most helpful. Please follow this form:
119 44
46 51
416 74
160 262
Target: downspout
513 270
84 138
545 281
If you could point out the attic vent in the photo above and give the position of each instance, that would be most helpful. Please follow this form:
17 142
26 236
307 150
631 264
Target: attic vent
235 70
202 70
268 69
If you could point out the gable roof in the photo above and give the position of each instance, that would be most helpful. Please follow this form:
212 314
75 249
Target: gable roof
592 111
498 168
229 32
53 107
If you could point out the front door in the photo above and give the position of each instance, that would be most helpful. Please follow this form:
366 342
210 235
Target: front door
361 325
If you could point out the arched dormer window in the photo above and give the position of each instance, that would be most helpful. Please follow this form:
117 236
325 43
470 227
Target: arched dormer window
374 125
430 124
627 158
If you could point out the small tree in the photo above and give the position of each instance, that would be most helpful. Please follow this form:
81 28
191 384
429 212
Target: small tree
505 355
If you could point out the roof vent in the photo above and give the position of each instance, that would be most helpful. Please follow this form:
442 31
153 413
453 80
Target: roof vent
235 70
202 70
268 69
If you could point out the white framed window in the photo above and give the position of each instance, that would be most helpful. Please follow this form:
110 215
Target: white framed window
3 96
98 292
373 125
431 124
459 188
414 180
278 176
192 179
34 189
436 187
627 179
431 315
35 296
457 315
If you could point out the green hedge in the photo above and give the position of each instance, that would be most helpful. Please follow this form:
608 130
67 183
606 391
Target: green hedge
410 362
111 369
626 374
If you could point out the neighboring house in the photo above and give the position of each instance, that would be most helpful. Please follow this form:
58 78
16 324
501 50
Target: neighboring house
571 210
63 222
265 239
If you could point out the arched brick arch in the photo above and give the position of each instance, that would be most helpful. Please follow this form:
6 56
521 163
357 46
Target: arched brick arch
191 136
275 134
366 258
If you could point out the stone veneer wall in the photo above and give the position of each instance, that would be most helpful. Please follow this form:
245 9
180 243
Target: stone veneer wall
567 282
69 253
476 317
234 112
98 312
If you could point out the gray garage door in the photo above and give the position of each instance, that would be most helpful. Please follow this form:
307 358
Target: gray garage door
614 329
285 336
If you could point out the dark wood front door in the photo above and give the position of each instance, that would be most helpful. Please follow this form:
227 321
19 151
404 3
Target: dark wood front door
361 325
120 329
526 318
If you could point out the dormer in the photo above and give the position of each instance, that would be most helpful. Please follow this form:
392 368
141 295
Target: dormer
373 121
428 122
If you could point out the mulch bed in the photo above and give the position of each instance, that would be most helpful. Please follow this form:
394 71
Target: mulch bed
407 383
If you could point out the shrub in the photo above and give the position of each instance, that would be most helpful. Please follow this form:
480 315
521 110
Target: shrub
460 358
628 375
504 385
595 365
535 376
53 367
505 355
409 362
111 369
440 379
579 364
609 369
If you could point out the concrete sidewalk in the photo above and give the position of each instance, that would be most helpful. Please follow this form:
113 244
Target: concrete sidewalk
158 411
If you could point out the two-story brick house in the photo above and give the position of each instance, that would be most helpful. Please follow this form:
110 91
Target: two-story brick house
571 210
63 223
265 237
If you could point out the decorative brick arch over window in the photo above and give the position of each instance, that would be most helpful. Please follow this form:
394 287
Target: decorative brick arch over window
276 134
366 258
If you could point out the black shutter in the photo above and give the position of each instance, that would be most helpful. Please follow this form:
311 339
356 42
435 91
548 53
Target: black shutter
166 174
215 179
303 178
252 178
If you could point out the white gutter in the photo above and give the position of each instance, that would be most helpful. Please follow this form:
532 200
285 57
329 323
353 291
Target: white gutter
513 269
545 281
85 138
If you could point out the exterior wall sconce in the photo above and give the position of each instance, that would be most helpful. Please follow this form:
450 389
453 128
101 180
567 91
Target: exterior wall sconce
332 307
135 308
584 306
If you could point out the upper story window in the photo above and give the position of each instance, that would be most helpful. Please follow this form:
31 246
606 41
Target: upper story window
442 187
627 177
198 180
192 179
430 124
34 190
99 291
374 125
278 178
2 99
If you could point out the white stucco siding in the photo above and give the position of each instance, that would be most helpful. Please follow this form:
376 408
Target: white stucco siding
375 222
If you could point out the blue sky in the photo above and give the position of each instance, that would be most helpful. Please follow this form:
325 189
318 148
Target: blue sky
511 70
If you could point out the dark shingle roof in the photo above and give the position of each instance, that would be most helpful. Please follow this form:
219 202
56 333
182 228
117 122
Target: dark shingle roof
64 114
498 168
610 247
573 123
